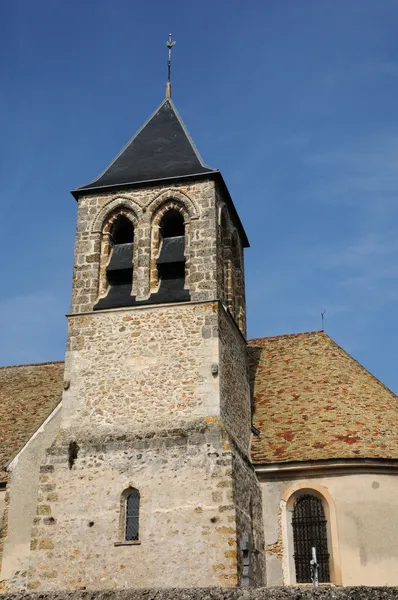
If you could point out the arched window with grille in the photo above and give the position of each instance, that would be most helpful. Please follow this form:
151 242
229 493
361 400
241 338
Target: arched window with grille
310 530
132 516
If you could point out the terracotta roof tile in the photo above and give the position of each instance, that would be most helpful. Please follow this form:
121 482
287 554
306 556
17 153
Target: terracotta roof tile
28 394
314 401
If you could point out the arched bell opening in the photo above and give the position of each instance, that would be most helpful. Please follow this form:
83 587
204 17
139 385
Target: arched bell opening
171 260
119 268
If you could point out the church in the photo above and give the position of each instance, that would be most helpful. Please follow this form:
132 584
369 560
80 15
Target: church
168 450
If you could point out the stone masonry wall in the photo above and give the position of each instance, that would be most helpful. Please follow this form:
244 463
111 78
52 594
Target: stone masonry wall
141 370
206 250
198 201
230 264
234 382
289 593
249 521
236 415
187 532
141 392
22 489
156 398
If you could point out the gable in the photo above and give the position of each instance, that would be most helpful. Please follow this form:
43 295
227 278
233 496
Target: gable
28 394
314 401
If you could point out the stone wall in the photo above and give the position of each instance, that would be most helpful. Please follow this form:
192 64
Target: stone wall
236 414
3 520
234 382
249 522
187 514
207 252
198 201
144 408
292 593
22 490
141 370
230 265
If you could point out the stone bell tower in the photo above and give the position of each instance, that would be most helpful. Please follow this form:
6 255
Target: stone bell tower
149 482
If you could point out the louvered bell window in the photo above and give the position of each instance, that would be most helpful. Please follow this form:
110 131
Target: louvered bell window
132 516
309 530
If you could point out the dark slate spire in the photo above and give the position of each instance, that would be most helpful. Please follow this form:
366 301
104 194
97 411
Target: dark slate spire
162 149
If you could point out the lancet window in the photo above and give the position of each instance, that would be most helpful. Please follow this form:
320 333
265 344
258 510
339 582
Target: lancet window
132 514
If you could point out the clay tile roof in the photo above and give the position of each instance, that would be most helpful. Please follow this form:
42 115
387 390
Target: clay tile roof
314 401
28 394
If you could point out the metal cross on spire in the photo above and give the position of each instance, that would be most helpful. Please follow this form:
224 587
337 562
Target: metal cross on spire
169 45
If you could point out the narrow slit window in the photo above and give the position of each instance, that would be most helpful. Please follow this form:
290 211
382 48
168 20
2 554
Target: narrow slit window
132 516
309 530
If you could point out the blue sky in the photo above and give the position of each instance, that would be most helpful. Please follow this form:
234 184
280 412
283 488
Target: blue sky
295 101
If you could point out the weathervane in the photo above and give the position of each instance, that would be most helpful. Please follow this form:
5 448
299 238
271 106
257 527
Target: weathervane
169 45
323 318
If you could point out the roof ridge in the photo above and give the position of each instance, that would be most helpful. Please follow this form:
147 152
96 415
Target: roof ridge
131 139
189 137
52 362
288 335
321 331
363 368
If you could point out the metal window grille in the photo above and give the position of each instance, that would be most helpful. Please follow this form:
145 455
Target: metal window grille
309 530
132 516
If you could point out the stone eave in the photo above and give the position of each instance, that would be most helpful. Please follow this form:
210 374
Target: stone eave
333 466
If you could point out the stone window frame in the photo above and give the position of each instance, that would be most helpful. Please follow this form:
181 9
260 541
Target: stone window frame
157 216
105 247
287 504
122 518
